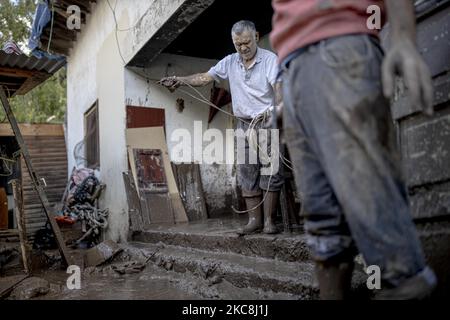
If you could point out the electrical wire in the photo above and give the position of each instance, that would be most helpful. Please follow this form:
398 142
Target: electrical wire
137 22
212 105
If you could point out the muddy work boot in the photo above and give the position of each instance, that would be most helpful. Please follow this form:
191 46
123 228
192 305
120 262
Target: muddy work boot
270 211
334 279
254 216
417 287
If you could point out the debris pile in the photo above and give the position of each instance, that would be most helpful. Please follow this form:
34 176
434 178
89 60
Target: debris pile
81 204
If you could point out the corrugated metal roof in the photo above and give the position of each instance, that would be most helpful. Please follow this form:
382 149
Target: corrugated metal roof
30 63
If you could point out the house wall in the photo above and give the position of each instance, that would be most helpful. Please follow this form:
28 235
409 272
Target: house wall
95 71
142 90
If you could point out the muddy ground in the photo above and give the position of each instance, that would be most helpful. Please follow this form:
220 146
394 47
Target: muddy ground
124 279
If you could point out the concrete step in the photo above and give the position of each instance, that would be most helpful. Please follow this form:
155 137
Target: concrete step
283 247
290 279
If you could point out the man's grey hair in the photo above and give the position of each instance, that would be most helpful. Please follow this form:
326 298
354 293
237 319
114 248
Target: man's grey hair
241 26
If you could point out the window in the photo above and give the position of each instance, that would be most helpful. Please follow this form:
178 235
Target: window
91 137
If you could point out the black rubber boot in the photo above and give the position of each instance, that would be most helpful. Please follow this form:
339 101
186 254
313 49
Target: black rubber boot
417 287
334 279
254 216
270 211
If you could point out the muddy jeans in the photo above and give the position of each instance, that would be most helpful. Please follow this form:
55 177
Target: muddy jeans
257 176
341 139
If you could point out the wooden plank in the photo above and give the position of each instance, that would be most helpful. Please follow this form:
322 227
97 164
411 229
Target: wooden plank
42 195
34 130
7 284
20 217
150 170
159 207
142 117
134 205
191 190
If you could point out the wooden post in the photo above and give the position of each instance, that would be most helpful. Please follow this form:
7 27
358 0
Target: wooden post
284 199
34 177
21 225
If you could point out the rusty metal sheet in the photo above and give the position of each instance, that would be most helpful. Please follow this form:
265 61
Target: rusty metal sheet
32 63
154 138
101 253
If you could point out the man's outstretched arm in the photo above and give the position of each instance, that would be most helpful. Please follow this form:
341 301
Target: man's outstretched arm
403 58
195 80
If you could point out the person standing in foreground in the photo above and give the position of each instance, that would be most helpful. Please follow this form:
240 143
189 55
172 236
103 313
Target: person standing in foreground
252 73
341 139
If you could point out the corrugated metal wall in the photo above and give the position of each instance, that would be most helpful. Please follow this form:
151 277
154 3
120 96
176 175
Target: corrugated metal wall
49 159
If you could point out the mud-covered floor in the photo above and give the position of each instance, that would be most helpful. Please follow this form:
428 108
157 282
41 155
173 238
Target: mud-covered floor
106 285
48 282
102 283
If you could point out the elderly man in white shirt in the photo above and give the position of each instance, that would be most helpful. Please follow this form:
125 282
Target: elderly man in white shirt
252 74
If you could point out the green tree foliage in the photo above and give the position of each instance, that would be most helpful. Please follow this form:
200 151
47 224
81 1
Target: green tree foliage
46 103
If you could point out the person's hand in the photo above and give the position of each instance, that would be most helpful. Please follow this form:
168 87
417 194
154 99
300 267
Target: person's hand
404 60
274 119
171 83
